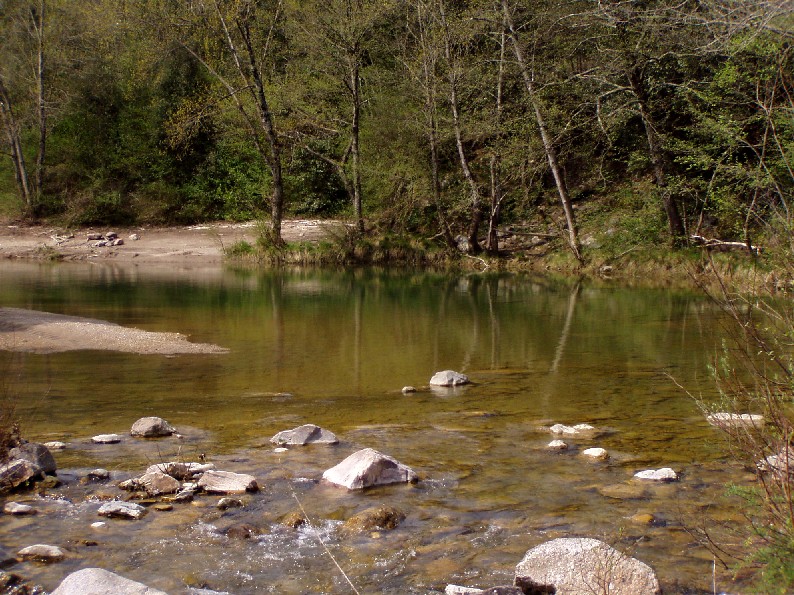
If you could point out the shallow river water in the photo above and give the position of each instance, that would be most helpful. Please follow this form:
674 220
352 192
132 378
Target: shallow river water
335 349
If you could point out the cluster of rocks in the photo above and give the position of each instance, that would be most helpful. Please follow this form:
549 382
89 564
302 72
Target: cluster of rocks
28 462
102 240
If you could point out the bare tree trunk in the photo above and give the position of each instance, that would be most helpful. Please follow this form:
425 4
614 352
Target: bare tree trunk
492 241
476 209
548 145
42 112
355 96
657 157
17 156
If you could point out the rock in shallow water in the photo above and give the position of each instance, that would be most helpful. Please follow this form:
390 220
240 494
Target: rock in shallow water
448 378
107 439
575 565
152 427
96 581
305 434
226 482
122 510
37 454
367 468
18 509
42 553
663 474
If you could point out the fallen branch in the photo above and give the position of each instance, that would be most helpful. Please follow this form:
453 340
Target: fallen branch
723 246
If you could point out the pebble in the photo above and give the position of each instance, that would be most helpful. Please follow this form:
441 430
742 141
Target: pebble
408 389
106 439
18 509
596 453
99 525
55 445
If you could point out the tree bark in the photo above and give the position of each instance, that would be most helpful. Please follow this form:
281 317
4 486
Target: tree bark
355 155
548 145
492 241
42 111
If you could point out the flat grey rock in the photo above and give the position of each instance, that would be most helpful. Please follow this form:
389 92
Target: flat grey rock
305 434
226 482
122 510
449 378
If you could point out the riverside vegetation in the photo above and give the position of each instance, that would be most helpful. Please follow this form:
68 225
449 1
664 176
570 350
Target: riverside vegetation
596 135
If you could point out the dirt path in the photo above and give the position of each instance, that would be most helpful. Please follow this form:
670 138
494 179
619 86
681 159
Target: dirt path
196 243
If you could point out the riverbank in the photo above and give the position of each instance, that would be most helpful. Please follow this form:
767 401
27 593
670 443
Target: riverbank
324 242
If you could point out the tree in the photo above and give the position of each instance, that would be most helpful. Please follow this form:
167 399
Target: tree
234 41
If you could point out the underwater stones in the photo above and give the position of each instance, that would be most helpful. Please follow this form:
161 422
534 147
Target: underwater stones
98 581
107 439
574 565
408 389
735 420
37 454
663 474
374 519
598 454
152 427
121 510
17 509
241 531
449 378
305 434
42 553
557 445
624 491
226 482
367 468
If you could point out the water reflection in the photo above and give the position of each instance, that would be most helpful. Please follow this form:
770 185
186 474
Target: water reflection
334 348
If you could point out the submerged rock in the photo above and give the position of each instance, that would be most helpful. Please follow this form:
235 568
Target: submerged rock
305 434
449 378
152 427
663 474
226 482
374 519
367 468
576 565
18 509
557 445
97 581
735 420
42 553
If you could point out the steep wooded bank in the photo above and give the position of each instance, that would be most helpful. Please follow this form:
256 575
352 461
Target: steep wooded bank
608 125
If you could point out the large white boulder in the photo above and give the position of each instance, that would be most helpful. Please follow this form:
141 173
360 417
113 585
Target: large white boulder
96 581
448 378
367 468
575 566
305 434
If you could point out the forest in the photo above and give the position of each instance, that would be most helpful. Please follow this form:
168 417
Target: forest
644 122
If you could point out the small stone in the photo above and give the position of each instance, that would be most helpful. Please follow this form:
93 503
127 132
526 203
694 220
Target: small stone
557 445
18 509
99 525
226 503
294 520
163 507
596 453
124 510
93 237
99 474
281 449
458 590
55 445
117 242
107 439
642 518
42 553
663 474
408 389
241 531
134 237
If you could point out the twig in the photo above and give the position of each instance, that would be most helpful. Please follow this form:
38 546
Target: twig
322 543
487 266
